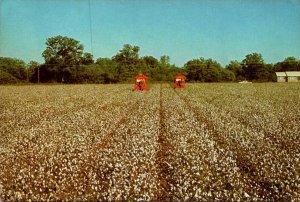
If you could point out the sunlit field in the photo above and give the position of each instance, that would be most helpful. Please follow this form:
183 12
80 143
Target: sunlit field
106 142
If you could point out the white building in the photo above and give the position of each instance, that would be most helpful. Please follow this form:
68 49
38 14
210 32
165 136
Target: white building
281 76
293 76
288 76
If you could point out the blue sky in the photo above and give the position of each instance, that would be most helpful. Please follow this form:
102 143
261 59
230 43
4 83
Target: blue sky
224 30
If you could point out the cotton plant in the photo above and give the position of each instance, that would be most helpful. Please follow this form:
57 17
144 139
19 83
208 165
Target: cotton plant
107 142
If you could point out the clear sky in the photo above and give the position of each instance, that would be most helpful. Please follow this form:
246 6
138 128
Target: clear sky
223 30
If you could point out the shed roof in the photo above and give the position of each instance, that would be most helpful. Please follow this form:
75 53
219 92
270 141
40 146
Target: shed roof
293 73
280 74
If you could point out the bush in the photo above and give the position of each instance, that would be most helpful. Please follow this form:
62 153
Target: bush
6 78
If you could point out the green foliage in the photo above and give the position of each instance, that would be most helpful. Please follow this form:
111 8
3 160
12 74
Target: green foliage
288 64
63 50
85 74
227 75
159 70
6 78
253 67
207 70
14 67
127 61
31 67
87 59
71 74
271 76
62 56
165 60
66 62
109 68
236 68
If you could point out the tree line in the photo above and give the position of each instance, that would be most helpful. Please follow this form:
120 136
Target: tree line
66 62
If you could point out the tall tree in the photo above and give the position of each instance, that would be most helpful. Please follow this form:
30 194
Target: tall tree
213 71
206 70
227 75
166 71
270 68
109 68
194 69
61 52
150 62
253 66
165 60
103 62
87 59
236 67
32 67
288 64
149 66
127 62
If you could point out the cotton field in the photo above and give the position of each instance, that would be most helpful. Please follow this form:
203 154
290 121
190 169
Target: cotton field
107 142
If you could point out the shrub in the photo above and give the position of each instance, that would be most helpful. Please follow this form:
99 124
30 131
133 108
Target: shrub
6 78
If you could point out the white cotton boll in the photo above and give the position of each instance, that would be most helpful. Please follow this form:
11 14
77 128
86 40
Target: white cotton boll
205 135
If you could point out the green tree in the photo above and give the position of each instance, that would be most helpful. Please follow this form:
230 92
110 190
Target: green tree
32 67
150 66
127 61
165 60
61 52
159 70
271 72
253 66
166 71
288 64
6 78
14 67
194 69
236 67
110 68
85 74
150 62
212 71
205 70
104 62
87 59
227 75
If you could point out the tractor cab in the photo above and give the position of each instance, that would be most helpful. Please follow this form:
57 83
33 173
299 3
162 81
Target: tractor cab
140 82
179 81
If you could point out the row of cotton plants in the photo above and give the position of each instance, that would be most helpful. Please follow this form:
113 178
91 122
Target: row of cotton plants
198 168
107 142
48 133
252 129
126 160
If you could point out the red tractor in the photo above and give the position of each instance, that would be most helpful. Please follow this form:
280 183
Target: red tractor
140 82
179 81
